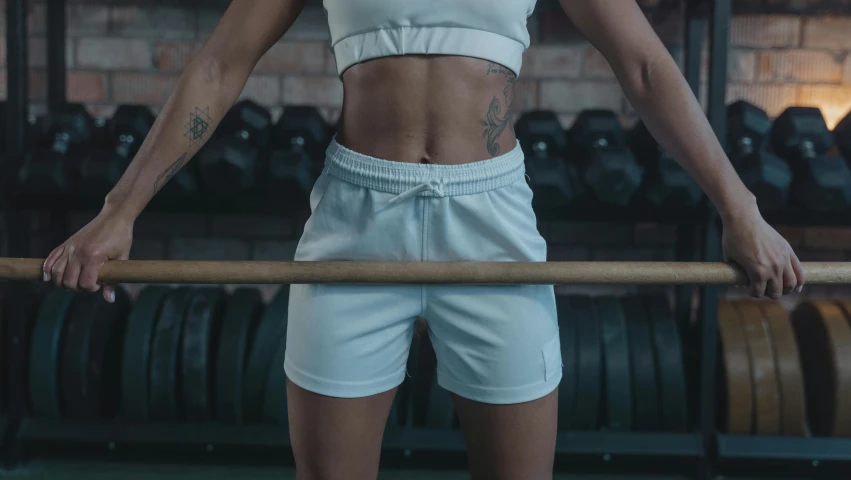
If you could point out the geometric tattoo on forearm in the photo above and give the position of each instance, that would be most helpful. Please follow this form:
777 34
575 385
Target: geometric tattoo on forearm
198 126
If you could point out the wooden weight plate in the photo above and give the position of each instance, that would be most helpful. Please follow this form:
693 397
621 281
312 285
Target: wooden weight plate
567 339
44 353
21 309
617 378
197 352
793 411
242 312
275 391
586 405
91 349
670 372
645 385
766 394
163 394
271 333
737 397
136 357
844 406
824 341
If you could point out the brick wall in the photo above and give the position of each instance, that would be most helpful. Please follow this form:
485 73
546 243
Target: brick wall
134 54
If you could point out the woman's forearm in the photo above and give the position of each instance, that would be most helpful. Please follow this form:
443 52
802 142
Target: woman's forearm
204 93
666 104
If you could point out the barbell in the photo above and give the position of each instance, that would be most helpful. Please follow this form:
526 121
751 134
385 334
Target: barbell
450 273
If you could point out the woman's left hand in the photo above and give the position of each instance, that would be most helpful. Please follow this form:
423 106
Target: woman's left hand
767 258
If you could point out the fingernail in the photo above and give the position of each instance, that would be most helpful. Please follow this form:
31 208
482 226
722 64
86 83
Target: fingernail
44 277
112 296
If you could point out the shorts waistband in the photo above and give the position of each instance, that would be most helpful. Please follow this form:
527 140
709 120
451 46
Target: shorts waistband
444 180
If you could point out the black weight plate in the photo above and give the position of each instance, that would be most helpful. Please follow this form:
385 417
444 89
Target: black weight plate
21 309
89 371
197 353
567 339
645 388
164 388
441 412
271 332
242 312
669 365
3 343
617 384
424 365
275 391
136 359
401 412
413 413
586 406
394 420
44 353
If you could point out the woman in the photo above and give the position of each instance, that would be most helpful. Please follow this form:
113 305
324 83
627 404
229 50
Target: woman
425 167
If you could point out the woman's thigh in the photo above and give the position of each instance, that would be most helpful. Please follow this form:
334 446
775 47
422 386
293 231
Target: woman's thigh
336 437
509 441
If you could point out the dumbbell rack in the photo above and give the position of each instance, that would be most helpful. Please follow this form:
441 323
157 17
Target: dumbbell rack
704 451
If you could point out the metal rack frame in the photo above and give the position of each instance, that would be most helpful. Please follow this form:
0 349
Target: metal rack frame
701 452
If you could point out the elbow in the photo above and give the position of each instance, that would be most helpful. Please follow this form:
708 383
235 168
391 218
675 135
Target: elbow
212 69
643 75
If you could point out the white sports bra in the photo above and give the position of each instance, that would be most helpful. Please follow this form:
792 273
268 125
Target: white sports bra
493 30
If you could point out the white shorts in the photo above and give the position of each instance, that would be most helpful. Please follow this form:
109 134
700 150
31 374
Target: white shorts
494 344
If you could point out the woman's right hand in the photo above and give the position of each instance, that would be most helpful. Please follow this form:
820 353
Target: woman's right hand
75 264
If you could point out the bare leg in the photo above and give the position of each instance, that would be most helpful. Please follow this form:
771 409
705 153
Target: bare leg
336 437
510 441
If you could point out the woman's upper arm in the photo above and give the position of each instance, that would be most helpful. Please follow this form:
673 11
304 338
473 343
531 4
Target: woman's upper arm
249 28
619 29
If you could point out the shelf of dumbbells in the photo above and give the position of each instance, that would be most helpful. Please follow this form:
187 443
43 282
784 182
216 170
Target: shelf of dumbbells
250 164
599 212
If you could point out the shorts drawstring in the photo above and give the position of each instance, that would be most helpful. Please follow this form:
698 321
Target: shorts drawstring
434 186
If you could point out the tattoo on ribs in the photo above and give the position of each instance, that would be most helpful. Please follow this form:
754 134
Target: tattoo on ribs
495 124
199 124
168 173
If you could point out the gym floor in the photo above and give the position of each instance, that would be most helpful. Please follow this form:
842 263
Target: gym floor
68 470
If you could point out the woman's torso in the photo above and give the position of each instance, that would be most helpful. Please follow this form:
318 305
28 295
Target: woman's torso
428 81
445 109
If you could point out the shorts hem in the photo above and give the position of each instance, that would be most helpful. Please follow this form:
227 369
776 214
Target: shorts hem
329 388
500 396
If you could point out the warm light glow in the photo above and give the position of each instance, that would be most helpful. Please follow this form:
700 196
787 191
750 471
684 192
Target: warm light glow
834 113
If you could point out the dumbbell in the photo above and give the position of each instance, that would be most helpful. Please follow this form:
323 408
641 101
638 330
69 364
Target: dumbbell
766 175
606 165
554 183
822 181
300 138
62 137
229 164
102 167
842 135
666 183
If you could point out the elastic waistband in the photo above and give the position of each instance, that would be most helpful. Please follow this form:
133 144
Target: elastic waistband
401 177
